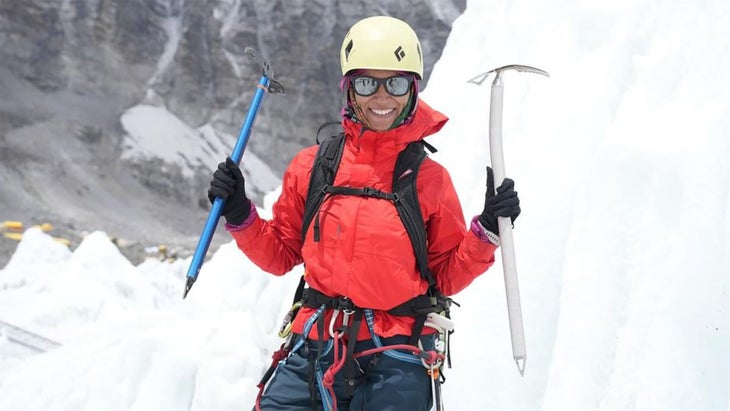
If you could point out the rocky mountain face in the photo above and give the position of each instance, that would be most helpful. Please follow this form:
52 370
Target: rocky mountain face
70 69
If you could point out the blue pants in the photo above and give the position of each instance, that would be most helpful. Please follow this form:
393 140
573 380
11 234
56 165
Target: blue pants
386 383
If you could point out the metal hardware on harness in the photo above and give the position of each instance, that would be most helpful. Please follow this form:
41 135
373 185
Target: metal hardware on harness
341 305
286 323
444 326
344 304
335 314
439 322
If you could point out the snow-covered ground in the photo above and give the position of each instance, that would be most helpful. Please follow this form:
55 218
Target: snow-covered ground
620 158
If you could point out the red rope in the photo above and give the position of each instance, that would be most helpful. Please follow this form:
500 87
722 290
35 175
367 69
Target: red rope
328 380
429 357
279 355
337 363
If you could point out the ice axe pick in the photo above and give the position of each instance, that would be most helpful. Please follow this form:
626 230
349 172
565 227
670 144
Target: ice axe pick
514 310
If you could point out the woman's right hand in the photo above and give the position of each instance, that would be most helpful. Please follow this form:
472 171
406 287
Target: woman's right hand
228 183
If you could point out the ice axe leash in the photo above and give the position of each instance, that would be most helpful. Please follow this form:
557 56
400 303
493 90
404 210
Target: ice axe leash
514 310
267 84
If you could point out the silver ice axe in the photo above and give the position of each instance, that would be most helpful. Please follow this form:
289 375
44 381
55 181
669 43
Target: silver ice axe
514 310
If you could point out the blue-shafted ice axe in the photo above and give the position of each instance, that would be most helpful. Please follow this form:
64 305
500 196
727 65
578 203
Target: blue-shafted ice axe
514 310
267 84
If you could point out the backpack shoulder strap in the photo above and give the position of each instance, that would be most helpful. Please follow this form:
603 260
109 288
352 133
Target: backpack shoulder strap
409 209
323 174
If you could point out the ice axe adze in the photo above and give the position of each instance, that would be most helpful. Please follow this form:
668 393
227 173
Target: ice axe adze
514 310
267 84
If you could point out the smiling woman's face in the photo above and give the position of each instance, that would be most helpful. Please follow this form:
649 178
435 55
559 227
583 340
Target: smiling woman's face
381 109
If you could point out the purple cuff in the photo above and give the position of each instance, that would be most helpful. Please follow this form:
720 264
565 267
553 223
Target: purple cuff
252 216
480 231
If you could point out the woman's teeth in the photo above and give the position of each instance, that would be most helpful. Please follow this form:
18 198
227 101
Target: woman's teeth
381 112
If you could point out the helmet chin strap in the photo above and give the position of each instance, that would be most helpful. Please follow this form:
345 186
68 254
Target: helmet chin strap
406 115
357 112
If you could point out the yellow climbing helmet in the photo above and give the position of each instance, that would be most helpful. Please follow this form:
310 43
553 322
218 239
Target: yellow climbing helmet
381 43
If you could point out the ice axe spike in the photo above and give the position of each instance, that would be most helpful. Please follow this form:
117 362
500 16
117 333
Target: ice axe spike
514 310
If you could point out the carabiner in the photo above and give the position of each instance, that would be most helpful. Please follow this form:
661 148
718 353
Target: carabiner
286 324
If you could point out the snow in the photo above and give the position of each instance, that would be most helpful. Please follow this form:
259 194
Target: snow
153 132
156 131
173 31
620 158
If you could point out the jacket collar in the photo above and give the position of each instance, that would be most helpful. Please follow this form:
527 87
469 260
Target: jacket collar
426 121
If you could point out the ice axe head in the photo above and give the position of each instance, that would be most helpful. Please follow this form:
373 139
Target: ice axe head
275 87
478 80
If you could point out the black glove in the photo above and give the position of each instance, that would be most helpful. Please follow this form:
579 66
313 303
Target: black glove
504 203
228 183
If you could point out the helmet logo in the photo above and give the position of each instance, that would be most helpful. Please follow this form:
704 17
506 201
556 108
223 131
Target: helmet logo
399 53
347 50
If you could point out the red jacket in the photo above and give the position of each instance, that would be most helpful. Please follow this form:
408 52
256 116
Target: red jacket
364 252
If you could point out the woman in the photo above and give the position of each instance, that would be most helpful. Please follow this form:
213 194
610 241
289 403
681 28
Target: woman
360 265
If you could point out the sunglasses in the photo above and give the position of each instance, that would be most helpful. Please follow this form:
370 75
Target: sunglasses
395 86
